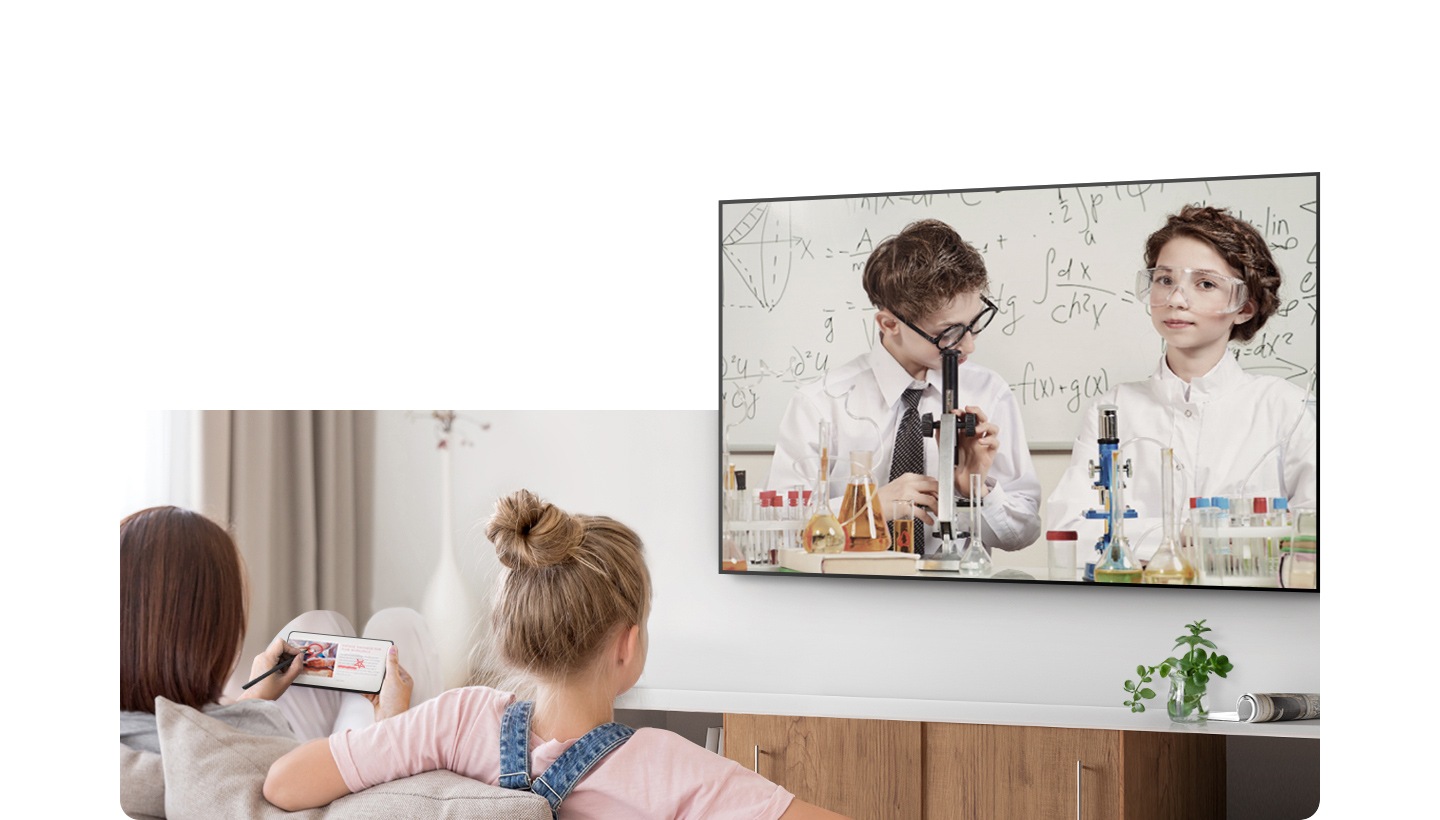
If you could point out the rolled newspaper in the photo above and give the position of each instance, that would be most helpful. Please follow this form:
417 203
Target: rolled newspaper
1257 707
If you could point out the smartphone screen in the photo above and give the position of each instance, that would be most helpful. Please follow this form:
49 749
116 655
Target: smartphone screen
339 662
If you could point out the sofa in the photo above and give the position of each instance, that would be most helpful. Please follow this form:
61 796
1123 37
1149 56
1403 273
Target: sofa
209 769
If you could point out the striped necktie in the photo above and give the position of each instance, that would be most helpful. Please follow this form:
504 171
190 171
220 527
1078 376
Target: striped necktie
909 455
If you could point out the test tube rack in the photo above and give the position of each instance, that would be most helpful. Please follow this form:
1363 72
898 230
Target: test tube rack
1248 556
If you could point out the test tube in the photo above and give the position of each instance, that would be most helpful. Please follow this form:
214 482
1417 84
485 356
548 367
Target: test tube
1280 512
762 541
1220 514
1259 517
1239 542
806 510
772 537
1198 516
792 517
742 513
1216 545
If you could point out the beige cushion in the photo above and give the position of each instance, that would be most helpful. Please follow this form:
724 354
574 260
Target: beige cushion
215 770
142 784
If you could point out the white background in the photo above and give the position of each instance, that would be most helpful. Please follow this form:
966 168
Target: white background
379 205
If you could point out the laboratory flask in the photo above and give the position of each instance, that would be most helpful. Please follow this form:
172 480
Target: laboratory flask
1169 564
860 513
823 532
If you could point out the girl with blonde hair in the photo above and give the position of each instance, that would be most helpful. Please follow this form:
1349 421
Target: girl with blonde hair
570 617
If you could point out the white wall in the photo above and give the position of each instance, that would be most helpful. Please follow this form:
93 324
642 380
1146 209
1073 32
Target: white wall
949 640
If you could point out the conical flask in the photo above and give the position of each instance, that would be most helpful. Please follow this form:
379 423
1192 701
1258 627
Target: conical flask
823 532
860 514
1117 565
975 561
1169 564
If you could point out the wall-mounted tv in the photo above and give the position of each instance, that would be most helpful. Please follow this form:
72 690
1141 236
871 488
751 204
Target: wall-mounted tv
1118 379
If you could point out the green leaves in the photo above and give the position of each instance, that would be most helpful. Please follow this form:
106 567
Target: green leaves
1196 665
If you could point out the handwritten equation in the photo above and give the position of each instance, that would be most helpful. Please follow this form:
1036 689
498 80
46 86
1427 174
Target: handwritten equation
1062 266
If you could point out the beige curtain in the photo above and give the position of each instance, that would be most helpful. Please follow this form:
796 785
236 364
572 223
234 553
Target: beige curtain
287 483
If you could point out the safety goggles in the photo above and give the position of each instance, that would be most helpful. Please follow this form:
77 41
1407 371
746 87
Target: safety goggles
1202 290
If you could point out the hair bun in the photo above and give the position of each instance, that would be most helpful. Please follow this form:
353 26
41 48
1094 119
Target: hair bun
530 532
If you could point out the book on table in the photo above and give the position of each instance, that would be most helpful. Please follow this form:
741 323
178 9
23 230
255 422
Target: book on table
849 563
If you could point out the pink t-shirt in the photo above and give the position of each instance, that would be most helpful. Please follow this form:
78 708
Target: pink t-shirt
654 774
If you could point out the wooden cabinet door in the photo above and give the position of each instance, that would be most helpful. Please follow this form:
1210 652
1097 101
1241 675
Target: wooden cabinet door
861 768
1021 772
1173 774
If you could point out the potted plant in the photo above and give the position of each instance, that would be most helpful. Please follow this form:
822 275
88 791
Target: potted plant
1189 674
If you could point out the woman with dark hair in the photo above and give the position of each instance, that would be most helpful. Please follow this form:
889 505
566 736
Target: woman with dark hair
1208 279
182 624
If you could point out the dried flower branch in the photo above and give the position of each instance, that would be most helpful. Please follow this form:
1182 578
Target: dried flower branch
446 429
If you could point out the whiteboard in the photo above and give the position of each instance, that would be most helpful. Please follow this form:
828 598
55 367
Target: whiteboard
1061 262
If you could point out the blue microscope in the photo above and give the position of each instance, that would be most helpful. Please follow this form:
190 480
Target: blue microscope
1109 441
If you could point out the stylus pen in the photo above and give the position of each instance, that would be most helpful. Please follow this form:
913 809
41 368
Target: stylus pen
284 662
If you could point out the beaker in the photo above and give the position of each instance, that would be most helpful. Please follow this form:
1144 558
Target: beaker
860 514
1062 554
975 561
902 521
731 558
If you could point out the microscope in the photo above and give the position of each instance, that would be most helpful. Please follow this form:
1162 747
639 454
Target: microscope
951 427
1105 475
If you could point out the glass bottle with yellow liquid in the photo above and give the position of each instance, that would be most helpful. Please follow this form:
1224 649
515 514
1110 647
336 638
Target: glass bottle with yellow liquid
1169 564
1117 565
860 514
823 532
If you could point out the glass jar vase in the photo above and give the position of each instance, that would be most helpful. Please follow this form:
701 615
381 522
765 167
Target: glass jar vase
1187 699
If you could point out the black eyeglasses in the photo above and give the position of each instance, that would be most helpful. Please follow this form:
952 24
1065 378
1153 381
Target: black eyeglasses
951 336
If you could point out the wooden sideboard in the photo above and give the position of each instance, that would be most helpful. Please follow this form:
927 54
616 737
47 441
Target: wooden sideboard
908 770
931 760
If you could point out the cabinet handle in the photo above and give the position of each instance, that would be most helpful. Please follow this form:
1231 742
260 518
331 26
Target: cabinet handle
757 759
1079 773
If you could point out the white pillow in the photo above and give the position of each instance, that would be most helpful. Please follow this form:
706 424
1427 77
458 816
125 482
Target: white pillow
215 770
142 784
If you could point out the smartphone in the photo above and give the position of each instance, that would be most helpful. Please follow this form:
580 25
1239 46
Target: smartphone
341 662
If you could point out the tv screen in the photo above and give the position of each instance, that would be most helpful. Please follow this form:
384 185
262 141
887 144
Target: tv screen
1120 381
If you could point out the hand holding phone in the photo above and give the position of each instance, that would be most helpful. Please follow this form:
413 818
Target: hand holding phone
394 695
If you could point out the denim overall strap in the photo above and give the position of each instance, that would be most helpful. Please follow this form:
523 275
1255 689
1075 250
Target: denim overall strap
515 745
568 769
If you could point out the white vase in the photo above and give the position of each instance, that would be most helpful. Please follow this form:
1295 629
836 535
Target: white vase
448 608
